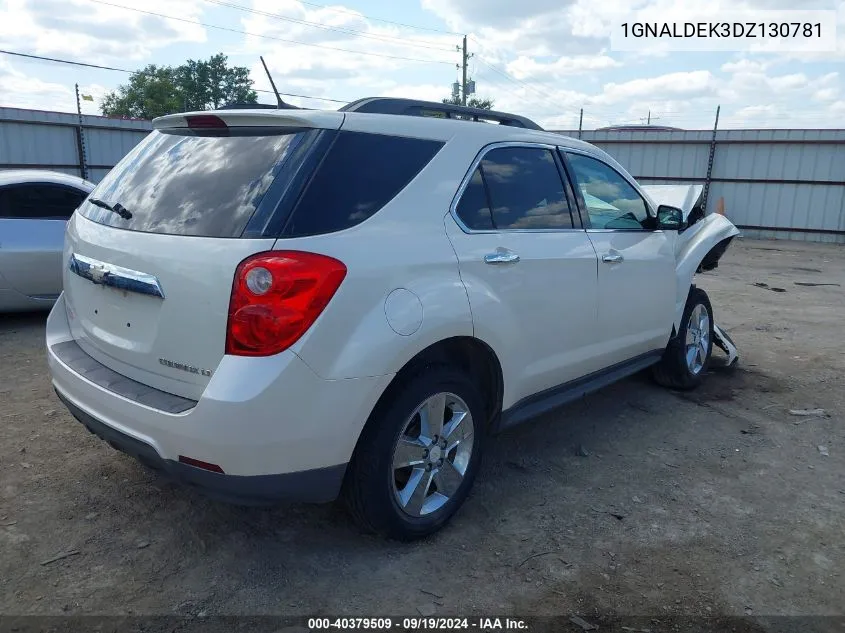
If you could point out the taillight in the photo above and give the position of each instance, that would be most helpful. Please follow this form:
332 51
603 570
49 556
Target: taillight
276 297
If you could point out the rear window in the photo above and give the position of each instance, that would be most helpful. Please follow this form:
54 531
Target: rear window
212 185
207 186
360 174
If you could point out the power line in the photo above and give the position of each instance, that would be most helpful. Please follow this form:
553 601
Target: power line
527 86
506 74
123 70
384 38
521 84
267 37
547 101
64 61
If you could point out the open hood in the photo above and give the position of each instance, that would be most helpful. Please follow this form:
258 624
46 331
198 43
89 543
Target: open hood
683 197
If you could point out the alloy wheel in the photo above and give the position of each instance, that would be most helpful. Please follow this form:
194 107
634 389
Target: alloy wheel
432 454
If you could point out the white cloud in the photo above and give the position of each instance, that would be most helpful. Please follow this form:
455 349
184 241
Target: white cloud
826 94
745 66
426 92
529 68
323 70
696 83
86 31
20 90
463 14
554 51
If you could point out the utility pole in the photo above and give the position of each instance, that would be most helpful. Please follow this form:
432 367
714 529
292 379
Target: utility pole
580 122
648 119
464 80
464 59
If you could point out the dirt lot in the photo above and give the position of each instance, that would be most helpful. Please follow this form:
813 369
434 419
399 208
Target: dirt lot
635 501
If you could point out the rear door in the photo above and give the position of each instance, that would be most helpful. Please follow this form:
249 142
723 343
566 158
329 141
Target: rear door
32 227
528 266
636 276
151 255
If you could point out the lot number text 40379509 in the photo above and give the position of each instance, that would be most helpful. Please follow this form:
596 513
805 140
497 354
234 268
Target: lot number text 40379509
419 624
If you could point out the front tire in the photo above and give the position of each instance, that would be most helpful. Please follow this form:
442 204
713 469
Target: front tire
687 356
418 456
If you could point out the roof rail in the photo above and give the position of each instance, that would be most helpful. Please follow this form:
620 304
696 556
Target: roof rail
415 107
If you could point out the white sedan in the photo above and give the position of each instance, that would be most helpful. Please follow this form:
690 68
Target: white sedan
34 208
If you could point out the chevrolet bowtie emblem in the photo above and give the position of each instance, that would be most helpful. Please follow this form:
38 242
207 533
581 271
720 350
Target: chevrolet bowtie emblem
98 273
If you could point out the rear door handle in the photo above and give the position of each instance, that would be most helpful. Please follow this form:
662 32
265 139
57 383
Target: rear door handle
612 259
501 256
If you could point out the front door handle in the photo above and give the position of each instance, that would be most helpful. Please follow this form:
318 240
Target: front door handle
501 256
612 259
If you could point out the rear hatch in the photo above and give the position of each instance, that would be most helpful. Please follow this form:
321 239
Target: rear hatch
151 255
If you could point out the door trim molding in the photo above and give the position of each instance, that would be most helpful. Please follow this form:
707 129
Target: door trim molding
550 399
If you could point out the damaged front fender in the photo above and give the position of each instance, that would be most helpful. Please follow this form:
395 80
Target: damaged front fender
699 248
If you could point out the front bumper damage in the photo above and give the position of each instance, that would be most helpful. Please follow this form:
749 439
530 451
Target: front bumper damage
726 344
700 246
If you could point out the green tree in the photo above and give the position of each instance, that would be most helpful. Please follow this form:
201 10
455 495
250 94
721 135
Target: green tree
472 102
194 85
212 83
151 92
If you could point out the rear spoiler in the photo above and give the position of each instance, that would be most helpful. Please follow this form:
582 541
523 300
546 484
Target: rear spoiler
257 117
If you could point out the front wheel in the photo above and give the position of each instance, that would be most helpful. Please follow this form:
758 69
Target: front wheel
418 456
687 356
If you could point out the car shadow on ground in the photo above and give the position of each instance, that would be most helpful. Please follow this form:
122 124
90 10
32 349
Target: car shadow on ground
589 430
13 322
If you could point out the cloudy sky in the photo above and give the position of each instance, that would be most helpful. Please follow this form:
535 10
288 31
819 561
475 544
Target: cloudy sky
545 59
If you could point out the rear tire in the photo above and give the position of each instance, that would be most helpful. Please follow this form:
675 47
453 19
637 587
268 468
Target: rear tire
687 356
418 455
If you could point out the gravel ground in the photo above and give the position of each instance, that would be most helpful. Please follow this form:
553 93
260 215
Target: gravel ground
636 501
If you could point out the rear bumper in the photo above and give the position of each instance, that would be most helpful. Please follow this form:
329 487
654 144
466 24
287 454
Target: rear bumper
274 427
313 486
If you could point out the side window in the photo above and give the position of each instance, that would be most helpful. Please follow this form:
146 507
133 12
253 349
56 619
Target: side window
473 208
525 189
39 201
611 201
60 202
360 174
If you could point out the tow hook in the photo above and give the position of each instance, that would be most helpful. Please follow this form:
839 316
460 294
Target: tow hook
726 344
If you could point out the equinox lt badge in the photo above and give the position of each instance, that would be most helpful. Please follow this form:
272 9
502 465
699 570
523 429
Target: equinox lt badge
188 368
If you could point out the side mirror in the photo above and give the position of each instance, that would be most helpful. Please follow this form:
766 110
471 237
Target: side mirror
669 218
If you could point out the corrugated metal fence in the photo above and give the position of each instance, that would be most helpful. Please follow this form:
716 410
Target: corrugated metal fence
33 139
787 184
775 183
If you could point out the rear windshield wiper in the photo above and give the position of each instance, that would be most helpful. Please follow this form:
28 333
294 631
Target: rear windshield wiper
116 208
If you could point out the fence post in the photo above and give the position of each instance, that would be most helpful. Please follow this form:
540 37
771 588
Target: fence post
80 139
710 163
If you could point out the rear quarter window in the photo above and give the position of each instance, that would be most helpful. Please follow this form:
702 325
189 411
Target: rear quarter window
359 175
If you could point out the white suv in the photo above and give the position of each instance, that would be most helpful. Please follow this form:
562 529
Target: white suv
294 304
